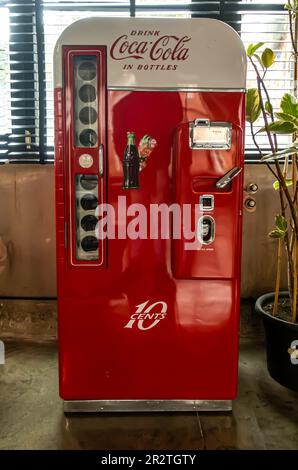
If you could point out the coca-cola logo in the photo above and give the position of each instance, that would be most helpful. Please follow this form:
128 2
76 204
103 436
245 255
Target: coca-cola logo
157 48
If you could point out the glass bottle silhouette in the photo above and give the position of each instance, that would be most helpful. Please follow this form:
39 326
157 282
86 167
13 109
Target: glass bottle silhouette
131 163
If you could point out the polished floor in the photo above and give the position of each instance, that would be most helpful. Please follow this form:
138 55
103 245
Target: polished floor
265 415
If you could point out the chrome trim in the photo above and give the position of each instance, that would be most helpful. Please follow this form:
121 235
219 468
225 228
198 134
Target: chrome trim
140 406
80 192
71 196
206 124
207 209
228 177
100 160
200 234
190 89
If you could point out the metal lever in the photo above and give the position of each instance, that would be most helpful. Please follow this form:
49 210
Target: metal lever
100 160
228 177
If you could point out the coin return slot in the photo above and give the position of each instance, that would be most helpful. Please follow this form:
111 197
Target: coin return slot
206 230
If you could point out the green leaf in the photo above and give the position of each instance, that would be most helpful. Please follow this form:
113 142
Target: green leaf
259 60
280 127
268 58
288 182
287 118
253 107
276 234
289 105
291 6
280 154
268 107
252 48
281 223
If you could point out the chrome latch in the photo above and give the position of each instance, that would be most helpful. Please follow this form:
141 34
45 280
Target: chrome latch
228 177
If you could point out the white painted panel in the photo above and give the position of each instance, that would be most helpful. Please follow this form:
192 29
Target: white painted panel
161 53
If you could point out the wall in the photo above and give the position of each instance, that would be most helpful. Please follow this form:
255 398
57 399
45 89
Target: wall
27 229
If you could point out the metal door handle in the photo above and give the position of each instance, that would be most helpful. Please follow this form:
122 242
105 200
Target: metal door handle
228 177
100 160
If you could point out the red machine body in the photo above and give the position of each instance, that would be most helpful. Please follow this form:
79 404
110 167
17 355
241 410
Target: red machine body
147 319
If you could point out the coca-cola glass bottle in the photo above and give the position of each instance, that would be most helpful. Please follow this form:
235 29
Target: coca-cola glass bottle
131 163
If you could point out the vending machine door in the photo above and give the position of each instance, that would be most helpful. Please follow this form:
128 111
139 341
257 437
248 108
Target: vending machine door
85 111
208 167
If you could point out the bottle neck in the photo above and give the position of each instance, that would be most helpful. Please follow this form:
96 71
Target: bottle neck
131 140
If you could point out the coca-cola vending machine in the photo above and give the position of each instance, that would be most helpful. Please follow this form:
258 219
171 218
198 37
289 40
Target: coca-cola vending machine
149 126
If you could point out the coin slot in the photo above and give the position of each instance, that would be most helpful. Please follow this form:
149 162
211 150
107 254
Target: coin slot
207 202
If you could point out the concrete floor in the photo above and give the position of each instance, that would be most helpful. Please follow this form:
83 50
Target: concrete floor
265 415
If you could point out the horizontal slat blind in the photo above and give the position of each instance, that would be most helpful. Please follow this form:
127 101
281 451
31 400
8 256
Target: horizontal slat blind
57 16
265 21
24 138
5 116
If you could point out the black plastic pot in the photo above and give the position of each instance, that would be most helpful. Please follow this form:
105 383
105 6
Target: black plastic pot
281 342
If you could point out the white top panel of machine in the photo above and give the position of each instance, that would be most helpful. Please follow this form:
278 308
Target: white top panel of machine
161 53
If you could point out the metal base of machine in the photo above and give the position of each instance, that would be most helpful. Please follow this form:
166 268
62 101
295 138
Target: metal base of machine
141 406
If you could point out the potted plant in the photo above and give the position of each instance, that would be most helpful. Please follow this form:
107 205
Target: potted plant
279 309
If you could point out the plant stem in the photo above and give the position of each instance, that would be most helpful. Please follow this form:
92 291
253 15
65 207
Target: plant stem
288 196
294 38
292 34
277 281
254 139
281 179
294 300
262 83
260 151
283 190
269 135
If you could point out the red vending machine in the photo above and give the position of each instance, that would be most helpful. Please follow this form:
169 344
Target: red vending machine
149 127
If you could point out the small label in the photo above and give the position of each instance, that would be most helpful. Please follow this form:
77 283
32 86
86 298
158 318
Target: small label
85 160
